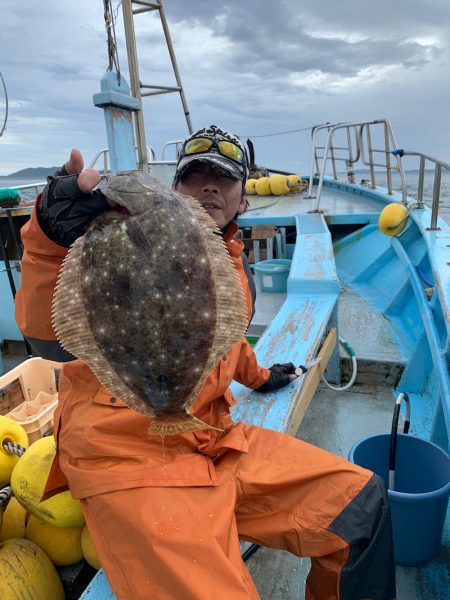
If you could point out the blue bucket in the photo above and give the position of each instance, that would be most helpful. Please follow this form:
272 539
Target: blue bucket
420 495
272 275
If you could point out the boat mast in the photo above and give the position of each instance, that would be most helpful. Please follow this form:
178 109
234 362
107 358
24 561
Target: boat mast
135 84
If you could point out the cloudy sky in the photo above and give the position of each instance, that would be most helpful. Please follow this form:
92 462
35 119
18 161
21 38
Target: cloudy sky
255 67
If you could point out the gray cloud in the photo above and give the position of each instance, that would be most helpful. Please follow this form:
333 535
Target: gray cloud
257 67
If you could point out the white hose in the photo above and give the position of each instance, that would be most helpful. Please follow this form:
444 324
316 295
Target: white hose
352 355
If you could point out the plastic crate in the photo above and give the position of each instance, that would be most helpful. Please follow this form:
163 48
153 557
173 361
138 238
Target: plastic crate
29 395
272 275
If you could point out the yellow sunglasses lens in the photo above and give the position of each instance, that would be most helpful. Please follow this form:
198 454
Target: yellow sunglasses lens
228 149
198 145
231 151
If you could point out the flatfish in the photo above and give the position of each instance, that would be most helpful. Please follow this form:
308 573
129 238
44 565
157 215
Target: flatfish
149 298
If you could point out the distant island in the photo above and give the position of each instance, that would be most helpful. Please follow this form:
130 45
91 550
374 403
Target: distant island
34 173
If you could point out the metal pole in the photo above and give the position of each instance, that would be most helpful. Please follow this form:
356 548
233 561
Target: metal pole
135 84
421 181
175 66
17 244
373 184
388 159
436 194
12 285
323 168
333 160
5 259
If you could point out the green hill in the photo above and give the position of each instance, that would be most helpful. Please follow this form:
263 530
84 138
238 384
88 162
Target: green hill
35 173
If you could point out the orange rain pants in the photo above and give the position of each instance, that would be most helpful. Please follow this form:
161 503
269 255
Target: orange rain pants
166 514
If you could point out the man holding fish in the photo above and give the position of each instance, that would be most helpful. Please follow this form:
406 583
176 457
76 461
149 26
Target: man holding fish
166 512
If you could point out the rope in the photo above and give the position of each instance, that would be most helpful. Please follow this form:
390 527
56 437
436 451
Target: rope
110 20
13 448
277 133
6 105
18 450
5 495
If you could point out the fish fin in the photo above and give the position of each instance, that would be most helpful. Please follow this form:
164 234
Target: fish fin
137 234
190 423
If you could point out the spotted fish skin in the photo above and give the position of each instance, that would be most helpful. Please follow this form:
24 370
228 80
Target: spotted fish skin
150 300
143 299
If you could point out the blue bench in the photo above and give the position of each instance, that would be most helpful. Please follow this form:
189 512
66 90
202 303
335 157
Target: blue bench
305 327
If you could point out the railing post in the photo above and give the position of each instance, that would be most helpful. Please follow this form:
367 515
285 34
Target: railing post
388 159
436 194
333 161
373 183
421 182
323 168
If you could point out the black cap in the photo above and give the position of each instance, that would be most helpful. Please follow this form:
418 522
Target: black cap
213 157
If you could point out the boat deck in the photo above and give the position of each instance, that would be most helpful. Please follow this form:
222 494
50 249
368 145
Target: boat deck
334 201
335 421
373 340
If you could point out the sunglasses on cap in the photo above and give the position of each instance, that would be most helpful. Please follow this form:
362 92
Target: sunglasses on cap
200 145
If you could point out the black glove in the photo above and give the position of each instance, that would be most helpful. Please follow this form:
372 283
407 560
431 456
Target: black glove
279 377
65 212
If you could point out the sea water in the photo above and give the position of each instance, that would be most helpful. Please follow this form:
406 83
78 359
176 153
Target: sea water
412 180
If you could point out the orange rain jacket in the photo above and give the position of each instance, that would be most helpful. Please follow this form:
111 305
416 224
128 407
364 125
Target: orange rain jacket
166 514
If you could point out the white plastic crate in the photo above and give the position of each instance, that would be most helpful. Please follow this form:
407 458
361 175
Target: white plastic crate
29 395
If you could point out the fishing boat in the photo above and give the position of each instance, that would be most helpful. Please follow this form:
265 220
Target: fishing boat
353 283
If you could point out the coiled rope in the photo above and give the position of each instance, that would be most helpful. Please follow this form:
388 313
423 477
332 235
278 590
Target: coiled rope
14 448
5 495
17 450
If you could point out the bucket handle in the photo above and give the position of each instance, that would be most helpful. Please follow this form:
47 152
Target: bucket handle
393 444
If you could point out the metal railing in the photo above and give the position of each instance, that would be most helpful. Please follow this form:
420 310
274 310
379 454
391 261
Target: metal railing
438 166
177 144
35 187
358 149
104 155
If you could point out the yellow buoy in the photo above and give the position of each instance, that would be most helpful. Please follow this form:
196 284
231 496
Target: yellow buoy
250 186
279 184
262 186
27 572
88 549
296 184
10 431
14 520
393 218
61 544
28 481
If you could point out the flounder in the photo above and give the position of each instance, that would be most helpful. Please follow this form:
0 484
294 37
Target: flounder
150 300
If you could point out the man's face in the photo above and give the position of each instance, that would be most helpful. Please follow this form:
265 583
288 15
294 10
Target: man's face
221 197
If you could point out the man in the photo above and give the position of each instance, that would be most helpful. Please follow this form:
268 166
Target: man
166 515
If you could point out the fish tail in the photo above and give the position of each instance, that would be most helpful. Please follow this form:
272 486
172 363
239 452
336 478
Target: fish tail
189 423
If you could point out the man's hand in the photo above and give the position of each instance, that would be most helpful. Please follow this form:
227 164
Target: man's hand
281 374
69 202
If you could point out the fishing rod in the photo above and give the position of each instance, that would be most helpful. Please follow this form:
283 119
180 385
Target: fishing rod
6 104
